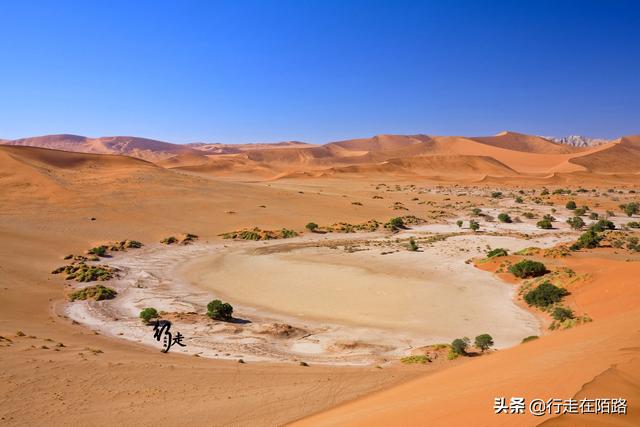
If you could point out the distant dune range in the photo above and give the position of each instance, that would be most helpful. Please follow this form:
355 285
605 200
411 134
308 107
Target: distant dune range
466 159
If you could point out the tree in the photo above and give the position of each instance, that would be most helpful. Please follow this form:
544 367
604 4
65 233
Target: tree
545 294
149 313
312 226
571 205
527 268
219 310
576 223
561 314
602 225
396 223
474 225
459 345
503 217
484 342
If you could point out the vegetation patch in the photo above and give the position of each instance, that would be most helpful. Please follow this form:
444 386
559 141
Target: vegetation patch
545 295
415 359
258 234
219 310
497 252
96 292
528 268
82 272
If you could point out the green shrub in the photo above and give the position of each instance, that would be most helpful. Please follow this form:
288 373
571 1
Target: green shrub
474 225
633 224
415 359
593 215
503 217
580 211
484 342
98 250
576 223
528 268
312 226
519 200
545 295
602 225
459 223
545 224
459 345
219 310
561 314
528 215
149 313
496 194
476 211
571 205
530 338
497 252
395 224
413 246
97 292
169 240
588 240
630 208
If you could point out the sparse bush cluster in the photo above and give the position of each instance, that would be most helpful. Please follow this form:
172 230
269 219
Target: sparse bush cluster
184 239
96 292
82 272
258 234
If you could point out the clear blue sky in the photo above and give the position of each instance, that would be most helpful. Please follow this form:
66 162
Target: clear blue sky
316 71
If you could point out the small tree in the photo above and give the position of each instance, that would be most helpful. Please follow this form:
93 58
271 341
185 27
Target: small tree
459 345
312 226
149 313
571 205
503 217
589 239
459 223
219 310
474 225
576 223
527 268
602 225
396 223
630 208
484 342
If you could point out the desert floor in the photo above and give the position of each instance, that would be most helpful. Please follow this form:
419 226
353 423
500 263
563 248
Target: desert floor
70 366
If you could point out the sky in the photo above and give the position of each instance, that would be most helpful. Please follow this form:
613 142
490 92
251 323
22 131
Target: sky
318 71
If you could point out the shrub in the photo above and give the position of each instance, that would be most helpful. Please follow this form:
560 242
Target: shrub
602 225
528 215
497 252
97 292
570 205
576 223
219 310
580 211
413 246
415 359
149 313
549 218
589 240
545 224
312 226
496 194
530 338
544 295
287 234
459 345
169 240
630 208
98 250
395 224
561 314
593 215
527 268
503 217
633 224
484 342
519 200
476 211
474 225
459 223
